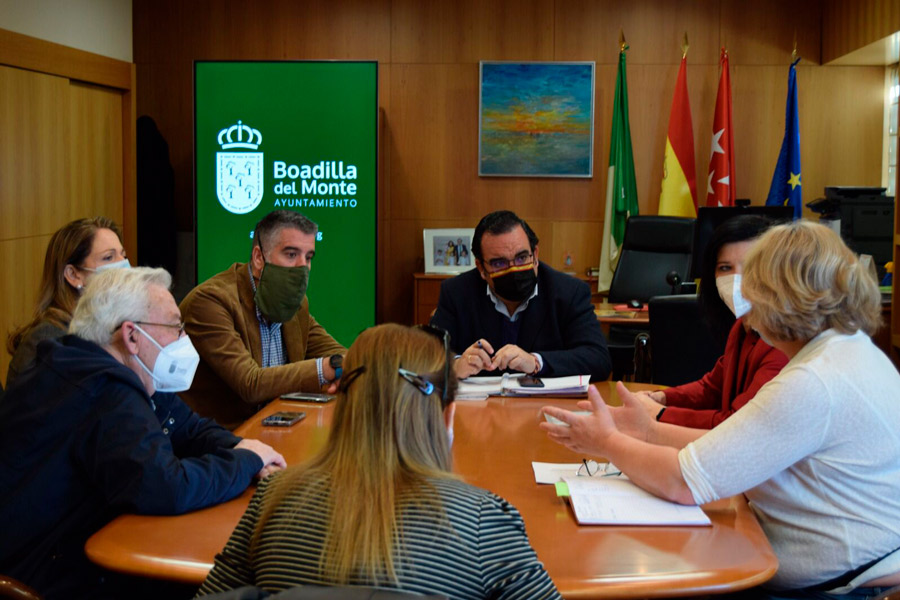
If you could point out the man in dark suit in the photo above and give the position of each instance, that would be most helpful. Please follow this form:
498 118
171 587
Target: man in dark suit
513 313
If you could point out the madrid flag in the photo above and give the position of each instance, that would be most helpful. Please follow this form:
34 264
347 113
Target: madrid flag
720 184
679 184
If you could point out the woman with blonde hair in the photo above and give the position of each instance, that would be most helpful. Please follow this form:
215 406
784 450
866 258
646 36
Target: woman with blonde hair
378 506
816 451
75 251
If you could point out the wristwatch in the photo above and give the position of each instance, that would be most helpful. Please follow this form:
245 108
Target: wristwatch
336 361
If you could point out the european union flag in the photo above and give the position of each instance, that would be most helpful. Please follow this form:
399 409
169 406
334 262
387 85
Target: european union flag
785 188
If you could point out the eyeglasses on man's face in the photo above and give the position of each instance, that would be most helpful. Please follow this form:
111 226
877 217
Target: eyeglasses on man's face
520 260
179 325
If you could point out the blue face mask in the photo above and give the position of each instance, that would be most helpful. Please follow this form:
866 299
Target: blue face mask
122 264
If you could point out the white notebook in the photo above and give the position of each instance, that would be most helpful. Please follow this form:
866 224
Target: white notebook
618 501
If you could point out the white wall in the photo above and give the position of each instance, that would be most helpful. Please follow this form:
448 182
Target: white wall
98 26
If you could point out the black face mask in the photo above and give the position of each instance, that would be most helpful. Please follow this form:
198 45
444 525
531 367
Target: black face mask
515 284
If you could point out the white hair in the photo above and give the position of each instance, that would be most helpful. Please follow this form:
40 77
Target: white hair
112 297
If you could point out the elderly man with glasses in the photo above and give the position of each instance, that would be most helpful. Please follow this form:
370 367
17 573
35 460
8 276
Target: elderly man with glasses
95 429
514 313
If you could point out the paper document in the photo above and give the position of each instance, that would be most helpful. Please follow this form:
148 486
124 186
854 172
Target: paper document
550 473
478 388
618 501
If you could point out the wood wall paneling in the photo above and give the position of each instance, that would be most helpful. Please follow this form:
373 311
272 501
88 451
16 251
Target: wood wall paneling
581 239
468 31
589 30
21 260
34 152
33 54
762 32
848 25
167 95
95 181
841 128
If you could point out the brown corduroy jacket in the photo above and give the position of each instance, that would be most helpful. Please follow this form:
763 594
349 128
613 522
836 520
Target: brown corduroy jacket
230 385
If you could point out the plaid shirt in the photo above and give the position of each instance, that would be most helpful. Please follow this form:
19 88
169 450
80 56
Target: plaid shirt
270 334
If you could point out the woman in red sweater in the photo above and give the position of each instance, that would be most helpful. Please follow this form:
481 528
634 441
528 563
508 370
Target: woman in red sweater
748 362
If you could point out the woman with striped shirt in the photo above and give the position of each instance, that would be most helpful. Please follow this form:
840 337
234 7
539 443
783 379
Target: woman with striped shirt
378 506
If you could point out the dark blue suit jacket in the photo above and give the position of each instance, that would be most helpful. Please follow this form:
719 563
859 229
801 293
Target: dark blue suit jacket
559 323
81 442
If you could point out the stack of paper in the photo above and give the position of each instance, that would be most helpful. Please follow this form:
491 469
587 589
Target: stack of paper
574 385
618 501
479 388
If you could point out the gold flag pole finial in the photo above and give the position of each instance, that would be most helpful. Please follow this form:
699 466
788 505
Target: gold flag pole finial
794 52
684 46
622 44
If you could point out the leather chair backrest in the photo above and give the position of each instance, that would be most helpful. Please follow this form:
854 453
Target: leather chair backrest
682 348
653 247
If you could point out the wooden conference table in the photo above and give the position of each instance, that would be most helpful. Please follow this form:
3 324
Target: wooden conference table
495 442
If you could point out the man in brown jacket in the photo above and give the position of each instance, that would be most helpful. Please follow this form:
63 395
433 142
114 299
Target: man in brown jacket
252 328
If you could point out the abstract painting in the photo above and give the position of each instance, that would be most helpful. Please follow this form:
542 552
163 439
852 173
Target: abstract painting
536 119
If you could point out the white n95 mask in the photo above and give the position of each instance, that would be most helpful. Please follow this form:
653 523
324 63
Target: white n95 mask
729 287
175 365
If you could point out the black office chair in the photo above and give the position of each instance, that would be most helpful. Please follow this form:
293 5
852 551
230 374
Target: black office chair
654 249
682 347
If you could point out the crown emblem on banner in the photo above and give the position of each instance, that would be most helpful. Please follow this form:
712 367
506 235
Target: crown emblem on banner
247 137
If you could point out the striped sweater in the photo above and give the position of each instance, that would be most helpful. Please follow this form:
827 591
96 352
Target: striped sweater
477 550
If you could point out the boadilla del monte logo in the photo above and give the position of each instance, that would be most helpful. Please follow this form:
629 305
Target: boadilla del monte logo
239 175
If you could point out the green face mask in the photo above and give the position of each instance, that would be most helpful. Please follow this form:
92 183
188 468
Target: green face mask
280 291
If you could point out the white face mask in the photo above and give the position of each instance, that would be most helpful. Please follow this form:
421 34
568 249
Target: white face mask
175 365
729 287
122 264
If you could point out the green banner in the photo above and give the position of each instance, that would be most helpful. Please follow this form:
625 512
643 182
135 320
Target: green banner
299 136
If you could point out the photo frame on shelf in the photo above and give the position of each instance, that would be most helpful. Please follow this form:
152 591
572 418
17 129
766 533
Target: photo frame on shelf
448 250
536 119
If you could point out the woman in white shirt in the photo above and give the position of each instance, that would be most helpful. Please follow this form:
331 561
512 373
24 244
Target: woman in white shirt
816 451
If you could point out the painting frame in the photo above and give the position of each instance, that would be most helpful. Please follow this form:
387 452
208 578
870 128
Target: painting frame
536 118
437 260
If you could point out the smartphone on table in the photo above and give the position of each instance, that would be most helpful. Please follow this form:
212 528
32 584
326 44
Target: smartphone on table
283 419
531 382
308 397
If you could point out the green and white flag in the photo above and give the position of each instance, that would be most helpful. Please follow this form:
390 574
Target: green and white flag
621 188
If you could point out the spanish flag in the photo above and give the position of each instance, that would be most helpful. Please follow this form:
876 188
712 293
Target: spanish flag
679 183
